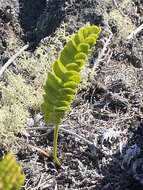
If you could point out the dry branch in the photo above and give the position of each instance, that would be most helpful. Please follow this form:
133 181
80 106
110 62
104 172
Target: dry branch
7 64
101 55
135 32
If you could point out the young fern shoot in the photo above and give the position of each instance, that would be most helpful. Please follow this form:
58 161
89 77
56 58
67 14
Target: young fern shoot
64 78
11 177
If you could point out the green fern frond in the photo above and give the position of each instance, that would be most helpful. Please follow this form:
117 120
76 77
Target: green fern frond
10 174
64 77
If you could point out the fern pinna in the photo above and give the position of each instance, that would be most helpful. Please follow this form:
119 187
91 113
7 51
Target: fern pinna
11 177
64 77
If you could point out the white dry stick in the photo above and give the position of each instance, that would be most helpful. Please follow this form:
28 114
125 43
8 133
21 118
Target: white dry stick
135 32
115 3
118 8
7 64
76 135
62 128
101 55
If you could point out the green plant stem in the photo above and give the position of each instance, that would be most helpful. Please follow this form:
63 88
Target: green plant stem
55 145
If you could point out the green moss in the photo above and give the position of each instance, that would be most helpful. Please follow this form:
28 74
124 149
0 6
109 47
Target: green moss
127 4
12 120
17 91
22 92
123 23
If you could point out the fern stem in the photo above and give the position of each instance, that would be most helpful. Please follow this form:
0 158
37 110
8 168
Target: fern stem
55 145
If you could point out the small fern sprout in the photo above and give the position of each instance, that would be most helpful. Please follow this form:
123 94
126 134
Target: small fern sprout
64 78
11 177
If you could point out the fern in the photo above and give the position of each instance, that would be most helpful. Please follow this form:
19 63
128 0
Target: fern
10 174
64 77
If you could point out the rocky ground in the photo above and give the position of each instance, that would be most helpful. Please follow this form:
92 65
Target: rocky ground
107 113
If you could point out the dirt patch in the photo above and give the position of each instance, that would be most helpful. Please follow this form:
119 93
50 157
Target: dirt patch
108 109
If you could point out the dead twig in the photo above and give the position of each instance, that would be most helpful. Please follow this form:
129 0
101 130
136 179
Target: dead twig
40 150
118 8
64 130
101 55
78 136
115 3
135 32
7 64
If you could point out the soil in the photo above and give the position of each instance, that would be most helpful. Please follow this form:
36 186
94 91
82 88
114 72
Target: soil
108 111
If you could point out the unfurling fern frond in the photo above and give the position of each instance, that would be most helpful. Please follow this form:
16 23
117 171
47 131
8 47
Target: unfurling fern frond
64 78
10 174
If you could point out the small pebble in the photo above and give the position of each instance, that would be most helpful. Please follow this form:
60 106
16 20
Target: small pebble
30 122
37 118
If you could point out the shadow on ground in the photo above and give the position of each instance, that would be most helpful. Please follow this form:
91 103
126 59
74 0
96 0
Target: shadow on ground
124 172
40 18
